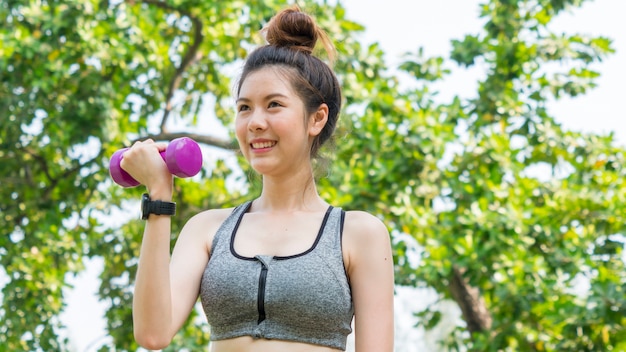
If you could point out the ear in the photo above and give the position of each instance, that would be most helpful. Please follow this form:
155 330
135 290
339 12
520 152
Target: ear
318 120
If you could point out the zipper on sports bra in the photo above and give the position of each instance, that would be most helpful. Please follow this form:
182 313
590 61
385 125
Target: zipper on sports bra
261 297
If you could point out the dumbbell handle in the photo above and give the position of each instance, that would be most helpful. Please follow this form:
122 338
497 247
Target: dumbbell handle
182 156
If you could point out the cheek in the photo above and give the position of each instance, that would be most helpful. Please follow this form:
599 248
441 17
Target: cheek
240 128
240 132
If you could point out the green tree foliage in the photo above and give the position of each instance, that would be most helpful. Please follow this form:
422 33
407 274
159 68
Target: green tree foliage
510 211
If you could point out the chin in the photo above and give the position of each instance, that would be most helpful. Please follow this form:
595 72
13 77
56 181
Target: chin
262 168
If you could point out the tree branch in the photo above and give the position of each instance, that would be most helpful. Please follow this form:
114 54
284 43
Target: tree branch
42 162
191 56
475 312
204 139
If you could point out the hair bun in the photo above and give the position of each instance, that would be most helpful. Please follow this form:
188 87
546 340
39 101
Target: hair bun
292 28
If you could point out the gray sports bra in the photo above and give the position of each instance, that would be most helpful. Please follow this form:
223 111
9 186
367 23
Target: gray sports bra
304 297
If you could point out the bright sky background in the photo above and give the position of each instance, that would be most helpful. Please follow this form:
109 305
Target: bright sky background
405 25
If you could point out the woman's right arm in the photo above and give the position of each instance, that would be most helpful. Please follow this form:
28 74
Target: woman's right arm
166 289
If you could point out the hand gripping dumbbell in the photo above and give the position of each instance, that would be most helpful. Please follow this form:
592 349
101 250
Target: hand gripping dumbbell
182 156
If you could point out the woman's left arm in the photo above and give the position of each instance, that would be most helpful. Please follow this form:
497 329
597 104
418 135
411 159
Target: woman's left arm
369 263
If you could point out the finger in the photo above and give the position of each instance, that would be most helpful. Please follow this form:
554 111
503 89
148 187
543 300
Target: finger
161 146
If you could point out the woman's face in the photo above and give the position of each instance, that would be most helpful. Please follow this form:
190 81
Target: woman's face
271 125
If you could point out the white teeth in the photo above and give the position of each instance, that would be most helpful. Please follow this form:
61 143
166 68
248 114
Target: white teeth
263 145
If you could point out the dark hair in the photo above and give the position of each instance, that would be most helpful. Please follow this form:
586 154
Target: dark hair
292 36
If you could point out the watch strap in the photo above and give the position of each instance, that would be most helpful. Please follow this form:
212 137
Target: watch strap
157 207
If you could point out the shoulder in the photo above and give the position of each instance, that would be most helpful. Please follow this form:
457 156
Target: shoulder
363 224
204 225
210 217
364 235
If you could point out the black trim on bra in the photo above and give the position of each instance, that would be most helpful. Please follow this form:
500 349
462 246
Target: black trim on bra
317 239
343 218
232 235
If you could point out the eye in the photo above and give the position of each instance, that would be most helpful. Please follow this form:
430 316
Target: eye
243 107
274 104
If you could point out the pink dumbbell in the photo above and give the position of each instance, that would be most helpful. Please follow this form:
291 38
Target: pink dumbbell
183 158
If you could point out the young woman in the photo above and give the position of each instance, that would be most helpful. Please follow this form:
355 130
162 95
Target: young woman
286 271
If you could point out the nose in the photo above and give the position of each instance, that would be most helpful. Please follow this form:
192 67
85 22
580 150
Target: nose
257 121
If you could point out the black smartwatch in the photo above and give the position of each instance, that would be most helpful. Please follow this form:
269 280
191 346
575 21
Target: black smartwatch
157 207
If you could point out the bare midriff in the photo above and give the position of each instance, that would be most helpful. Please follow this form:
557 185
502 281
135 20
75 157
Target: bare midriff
248 344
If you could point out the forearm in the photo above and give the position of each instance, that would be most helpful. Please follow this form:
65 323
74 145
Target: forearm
152 305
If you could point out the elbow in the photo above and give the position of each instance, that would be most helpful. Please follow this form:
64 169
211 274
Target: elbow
152 341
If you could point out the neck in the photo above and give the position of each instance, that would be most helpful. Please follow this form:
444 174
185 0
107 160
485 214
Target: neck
297 192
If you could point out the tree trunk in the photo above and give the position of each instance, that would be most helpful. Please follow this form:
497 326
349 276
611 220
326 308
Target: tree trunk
473 308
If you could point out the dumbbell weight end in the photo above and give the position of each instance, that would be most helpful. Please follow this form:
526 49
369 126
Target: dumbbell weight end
183 157
118 175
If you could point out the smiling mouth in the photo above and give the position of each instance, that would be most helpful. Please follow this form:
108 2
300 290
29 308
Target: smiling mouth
263 145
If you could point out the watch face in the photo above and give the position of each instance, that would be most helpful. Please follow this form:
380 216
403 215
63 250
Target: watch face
145 204
157 207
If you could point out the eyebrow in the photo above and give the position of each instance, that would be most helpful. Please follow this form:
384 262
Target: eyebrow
267 97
